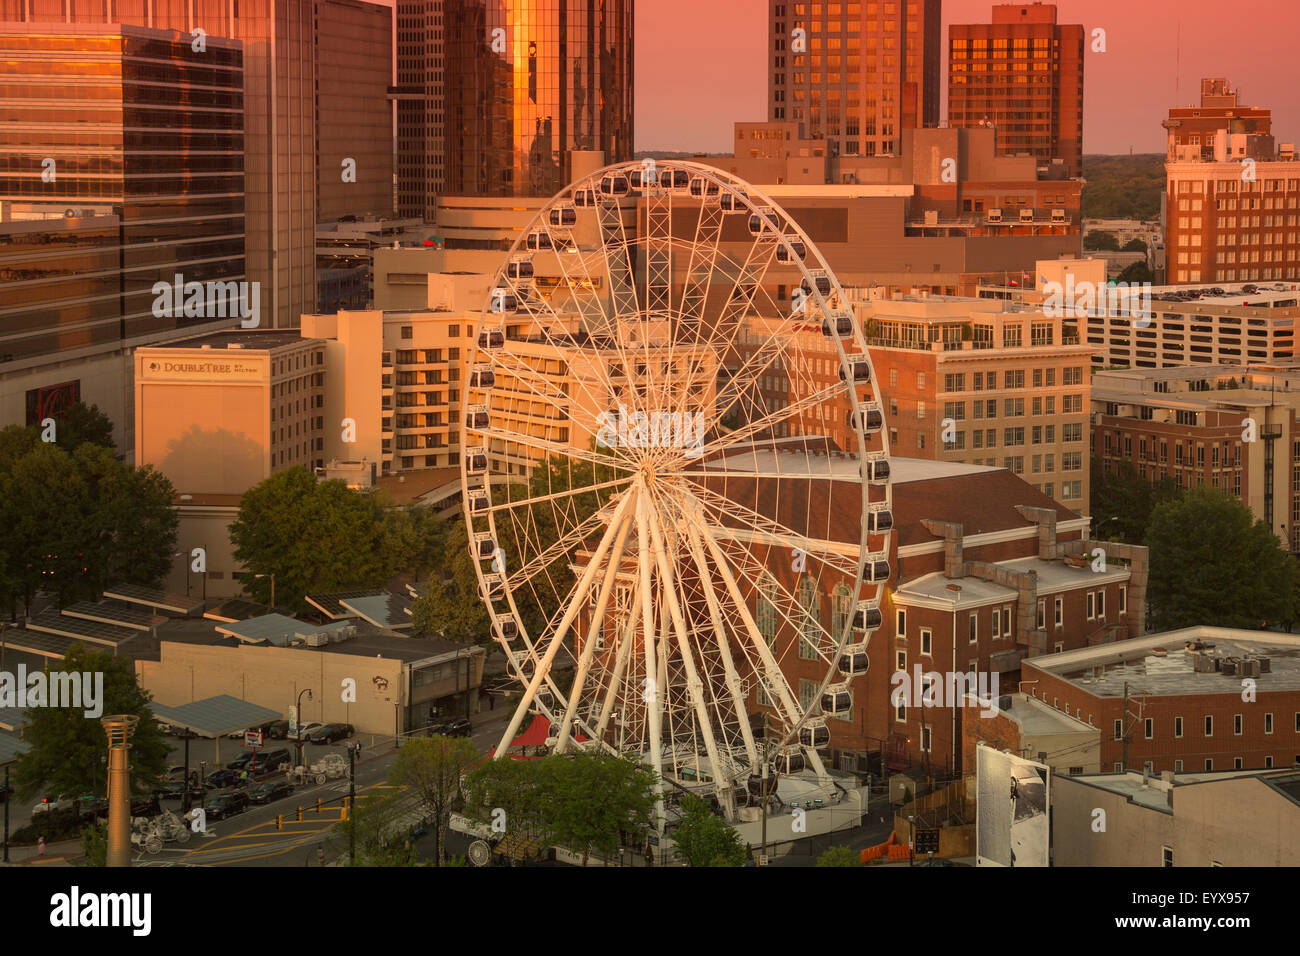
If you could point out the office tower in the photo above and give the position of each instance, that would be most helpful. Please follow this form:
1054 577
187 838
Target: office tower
279 121
1192 129
1023 75
110 181
354 118
855 73
1227 186
492 97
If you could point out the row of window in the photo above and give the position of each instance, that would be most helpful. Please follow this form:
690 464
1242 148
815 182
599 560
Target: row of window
1238 726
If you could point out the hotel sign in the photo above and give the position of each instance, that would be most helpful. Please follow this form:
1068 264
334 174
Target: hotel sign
189 369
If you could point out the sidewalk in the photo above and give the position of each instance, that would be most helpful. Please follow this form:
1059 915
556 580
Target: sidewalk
56 854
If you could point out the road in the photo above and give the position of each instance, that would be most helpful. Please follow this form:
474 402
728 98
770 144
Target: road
255 838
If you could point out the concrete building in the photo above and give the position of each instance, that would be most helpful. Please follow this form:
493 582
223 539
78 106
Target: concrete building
1191 700
219 413
966 380
1229 427
1225 818
492 98
1022 74
345 256
1192 130
857 74
398 679
95 210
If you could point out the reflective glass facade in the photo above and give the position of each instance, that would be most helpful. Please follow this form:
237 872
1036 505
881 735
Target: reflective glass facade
493 94
121 165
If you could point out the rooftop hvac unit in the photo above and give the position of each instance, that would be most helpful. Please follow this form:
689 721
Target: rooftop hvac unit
315 640
1026 215
993 215
1249 667
1230 666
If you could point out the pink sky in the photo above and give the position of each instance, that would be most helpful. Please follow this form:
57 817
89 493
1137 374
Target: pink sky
700 65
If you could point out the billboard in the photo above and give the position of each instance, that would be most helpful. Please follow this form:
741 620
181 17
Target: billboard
1012 810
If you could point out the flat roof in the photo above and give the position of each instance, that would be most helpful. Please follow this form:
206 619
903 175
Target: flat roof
277 629
1056 575
971 592
1102 670
215 716
13 718
1035 717
11 748
247 339
1152 792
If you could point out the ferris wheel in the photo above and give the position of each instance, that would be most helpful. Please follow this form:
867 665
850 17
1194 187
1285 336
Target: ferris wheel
676 479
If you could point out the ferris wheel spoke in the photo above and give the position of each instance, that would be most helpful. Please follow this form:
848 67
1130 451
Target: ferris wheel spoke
612 568
556 550
553 496
554 447
724 645
772 419
557 638
758 528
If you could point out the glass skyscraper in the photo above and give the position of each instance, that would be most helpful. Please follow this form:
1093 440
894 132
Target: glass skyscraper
492 95
121 165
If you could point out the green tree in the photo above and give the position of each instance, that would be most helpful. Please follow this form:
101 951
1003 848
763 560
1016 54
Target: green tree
451 608
1100 239
1123 187
375 826
1136 272
510 793
44 507
704 838
66 745
839 856
595 799
433 767
313 536
1213 564
1122 500
1135 245
84 424
94 844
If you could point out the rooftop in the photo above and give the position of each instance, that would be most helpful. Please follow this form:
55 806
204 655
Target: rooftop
1153 791
1035 717
250 339
1162 664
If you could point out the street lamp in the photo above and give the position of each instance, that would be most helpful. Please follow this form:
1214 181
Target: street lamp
297 707
272 576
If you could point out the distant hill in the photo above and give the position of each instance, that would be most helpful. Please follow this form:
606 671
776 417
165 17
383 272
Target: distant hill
1123 187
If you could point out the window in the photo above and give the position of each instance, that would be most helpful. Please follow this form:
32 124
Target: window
900 623
1006 621
808 625
1091 611
1148 726
840 611
1236 725
1101 605
1268 723
408 331
1209 728
765 610
925 640
925 739
1119 730
1060 612
1123 599
1209 763
974 628
1042 614
1166 856
1178 726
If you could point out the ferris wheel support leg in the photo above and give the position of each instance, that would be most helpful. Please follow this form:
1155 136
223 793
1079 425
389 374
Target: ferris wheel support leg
588 648
775 675
721 776
650 695
724 647
543 666
626 640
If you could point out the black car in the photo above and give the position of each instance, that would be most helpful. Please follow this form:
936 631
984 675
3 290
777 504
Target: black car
266 792
242 761
273 761
460 727
176 790
332 732
222 778
277 729
227 805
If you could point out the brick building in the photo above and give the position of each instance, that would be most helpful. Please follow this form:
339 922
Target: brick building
985 571
1023 75
1183 695
1229 427
1192 129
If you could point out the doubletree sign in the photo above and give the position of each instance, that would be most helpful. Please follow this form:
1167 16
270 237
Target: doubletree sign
52 401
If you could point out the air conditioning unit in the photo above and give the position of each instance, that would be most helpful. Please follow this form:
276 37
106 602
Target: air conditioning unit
314 640
1058 215
993 215
1026 215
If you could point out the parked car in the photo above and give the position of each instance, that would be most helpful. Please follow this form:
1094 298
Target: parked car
273 761
175 790
460 727
1249 289
54 805
146 807
306 730
277 729
219 779
1279 286
266 792
226 805
332 732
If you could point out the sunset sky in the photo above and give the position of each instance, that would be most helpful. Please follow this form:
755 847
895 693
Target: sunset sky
700 65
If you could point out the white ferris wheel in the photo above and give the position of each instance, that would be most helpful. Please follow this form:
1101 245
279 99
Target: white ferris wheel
677 480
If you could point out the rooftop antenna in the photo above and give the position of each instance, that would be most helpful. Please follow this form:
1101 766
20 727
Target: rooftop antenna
1178 60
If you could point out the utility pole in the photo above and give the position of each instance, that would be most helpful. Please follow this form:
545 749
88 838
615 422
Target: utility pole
352 803
7 793
1124 726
